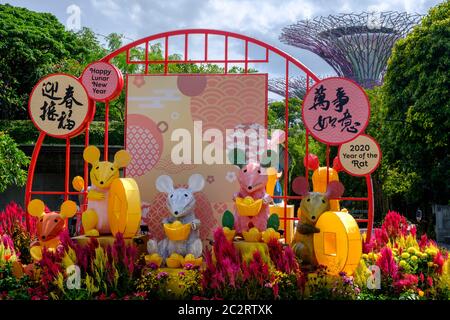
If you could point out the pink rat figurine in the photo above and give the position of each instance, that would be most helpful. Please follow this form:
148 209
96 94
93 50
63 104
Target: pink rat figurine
252 180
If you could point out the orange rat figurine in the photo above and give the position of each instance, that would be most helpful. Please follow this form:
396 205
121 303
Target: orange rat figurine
49 226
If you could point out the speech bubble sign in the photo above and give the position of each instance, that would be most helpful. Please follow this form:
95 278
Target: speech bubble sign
102 80
336 110
360 156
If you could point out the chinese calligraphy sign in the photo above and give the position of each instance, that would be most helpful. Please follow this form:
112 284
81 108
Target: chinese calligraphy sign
335 111
59 105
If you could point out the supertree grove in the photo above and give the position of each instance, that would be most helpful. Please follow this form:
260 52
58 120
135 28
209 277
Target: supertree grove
356 46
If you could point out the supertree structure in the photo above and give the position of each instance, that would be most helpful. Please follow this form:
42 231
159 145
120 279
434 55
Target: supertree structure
297 87
357 46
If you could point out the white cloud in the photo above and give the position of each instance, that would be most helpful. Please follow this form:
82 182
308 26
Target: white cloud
109 8
260 19
255 16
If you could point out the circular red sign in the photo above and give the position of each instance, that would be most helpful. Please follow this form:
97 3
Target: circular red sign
336 110
102 80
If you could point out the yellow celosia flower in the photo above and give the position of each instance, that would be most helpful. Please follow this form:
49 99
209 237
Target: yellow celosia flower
402 263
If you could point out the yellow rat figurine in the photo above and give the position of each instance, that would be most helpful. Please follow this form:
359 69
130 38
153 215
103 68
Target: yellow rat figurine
104 175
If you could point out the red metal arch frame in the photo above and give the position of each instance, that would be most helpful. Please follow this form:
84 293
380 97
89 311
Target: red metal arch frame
289 60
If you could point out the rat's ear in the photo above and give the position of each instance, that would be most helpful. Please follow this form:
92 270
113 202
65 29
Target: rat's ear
196 182
300 186
335 189
36 208
68 209
122 158
164 183
91 154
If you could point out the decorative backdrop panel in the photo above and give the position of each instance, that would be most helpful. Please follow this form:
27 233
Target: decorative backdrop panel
158 105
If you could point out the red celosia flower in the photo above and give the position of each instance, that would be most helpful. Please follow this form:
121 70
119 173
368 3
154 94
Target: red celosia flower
14 217
395 225
275 289
430 281
408 281
423 242
387 263
439 261
283 257
413 230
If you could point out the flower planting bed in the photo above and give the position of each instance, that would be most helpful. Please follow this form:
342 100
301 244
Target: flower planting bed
408 266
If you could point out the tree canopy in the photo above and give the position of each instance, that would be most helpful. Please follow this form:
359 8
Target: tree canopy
31 43
12 163
416 98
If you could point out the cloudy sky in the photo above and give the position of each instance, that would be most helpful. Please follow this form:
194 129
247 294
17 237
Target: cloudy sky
261 19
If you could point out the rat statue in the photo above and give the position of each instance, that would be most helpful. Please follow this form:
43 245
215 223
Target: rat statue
182 226
312 206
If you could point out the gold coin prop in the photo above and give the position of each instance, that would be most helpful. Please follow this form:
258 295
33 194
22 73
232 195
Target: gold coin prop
338 245
124 207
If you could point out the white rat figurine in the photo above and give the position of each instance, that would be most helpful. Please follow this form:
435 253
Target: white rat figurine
180 202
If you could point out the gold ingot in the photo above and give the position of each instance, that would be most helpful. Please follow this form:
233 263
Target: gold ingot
177 231
192 260
229 234
248 207
270 234
253 235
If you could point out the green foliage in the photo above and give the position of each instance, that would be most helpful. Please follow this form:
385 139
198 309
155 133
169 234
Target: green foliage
296 133
15 289
31 43
162 285
12 163
24 132
416 98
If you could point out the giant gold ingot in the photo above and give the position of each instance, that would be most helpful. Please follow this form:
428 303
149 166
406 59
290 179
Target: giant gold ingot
177 231
248 207
338 245
124 207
